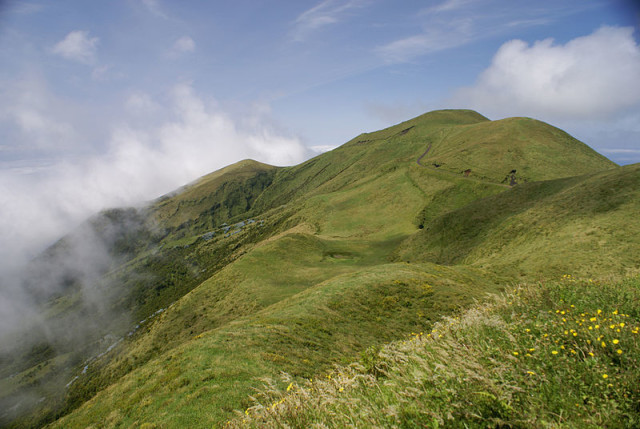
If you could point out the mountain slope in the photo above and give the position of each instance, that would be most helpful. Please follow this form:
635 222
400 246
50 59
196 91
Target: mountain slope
216 197
539 356
324 259
579 224
515 150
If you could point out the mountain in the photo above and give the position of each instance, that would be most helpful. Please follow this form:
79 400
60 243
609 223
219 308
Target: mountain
255 270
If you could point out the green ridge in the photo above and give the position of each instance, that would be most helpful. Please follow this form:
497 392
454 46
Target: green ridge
259 269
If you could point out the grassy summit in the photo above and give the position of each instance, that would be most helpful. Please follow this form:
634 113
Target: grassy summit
254 270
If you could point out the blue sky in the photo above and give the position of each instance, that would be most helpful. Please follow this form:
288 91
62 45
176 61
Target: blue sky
115 102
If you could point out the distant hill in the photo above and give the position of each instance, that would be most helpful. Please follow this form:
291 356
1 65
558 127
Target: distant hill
255 270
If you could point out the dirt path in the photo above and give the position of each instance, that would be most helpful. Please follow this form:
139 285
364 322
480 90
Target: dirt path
423 155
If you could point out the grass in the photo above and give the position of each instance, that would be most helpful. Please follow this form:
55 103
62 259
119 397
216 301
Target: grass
558 354
578 224
354 248
200 382
533 149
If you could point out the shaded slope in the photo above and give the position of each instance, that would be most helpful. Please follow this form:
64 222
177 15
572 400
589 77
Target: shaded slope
216 197
579 224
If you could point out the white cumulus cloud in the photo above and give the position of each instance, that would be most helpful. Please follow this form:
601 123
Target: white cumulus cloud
185 44
77 46
588 77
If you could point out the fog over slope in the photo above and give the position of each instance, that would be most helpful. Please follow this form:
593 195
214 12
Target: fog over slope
38 205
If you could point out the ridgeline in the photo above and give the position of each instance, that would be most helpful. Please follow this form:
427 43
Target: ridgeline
256 271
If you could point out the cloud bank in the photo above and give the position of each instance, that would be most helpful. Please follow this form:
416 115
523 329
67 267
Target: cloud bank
589 77
141 162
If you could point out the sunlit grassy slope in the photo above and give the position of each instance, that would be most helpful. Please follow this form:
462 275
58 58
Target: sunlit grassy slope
560 354
581 224
348 250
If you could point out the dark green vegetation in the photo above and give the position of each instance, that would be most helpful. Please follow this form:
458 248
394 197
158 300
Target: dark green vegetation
256 270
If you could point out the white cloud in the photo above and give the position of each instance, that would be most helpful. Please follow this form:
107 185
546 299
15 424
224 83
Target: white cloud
100 73
154 7
77 46
455 23
39 120
436 38
588 77
449 5
322 148
141 163
140 103
183 45
443 26
324 13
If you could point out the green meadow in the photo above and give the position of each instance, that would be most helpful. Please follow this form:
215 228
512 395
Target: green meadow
396 281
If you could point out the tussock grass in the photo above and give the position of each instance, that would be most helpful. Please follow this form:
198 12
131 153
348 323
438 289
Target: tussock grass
561 354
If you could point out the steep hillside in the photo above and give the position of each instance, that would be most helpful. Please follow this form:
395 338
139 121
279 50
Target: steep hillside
255 269
216 197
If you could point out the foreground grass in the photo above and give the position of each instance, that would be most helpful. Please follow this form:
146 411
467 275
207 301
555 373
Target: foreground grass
548 355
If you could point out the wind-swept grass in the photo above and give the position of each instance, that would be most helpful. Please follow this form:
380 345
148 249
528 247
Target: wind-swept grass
562 354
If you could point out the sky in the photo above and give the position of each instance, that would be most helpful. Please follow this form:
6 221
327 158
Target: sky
113 103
